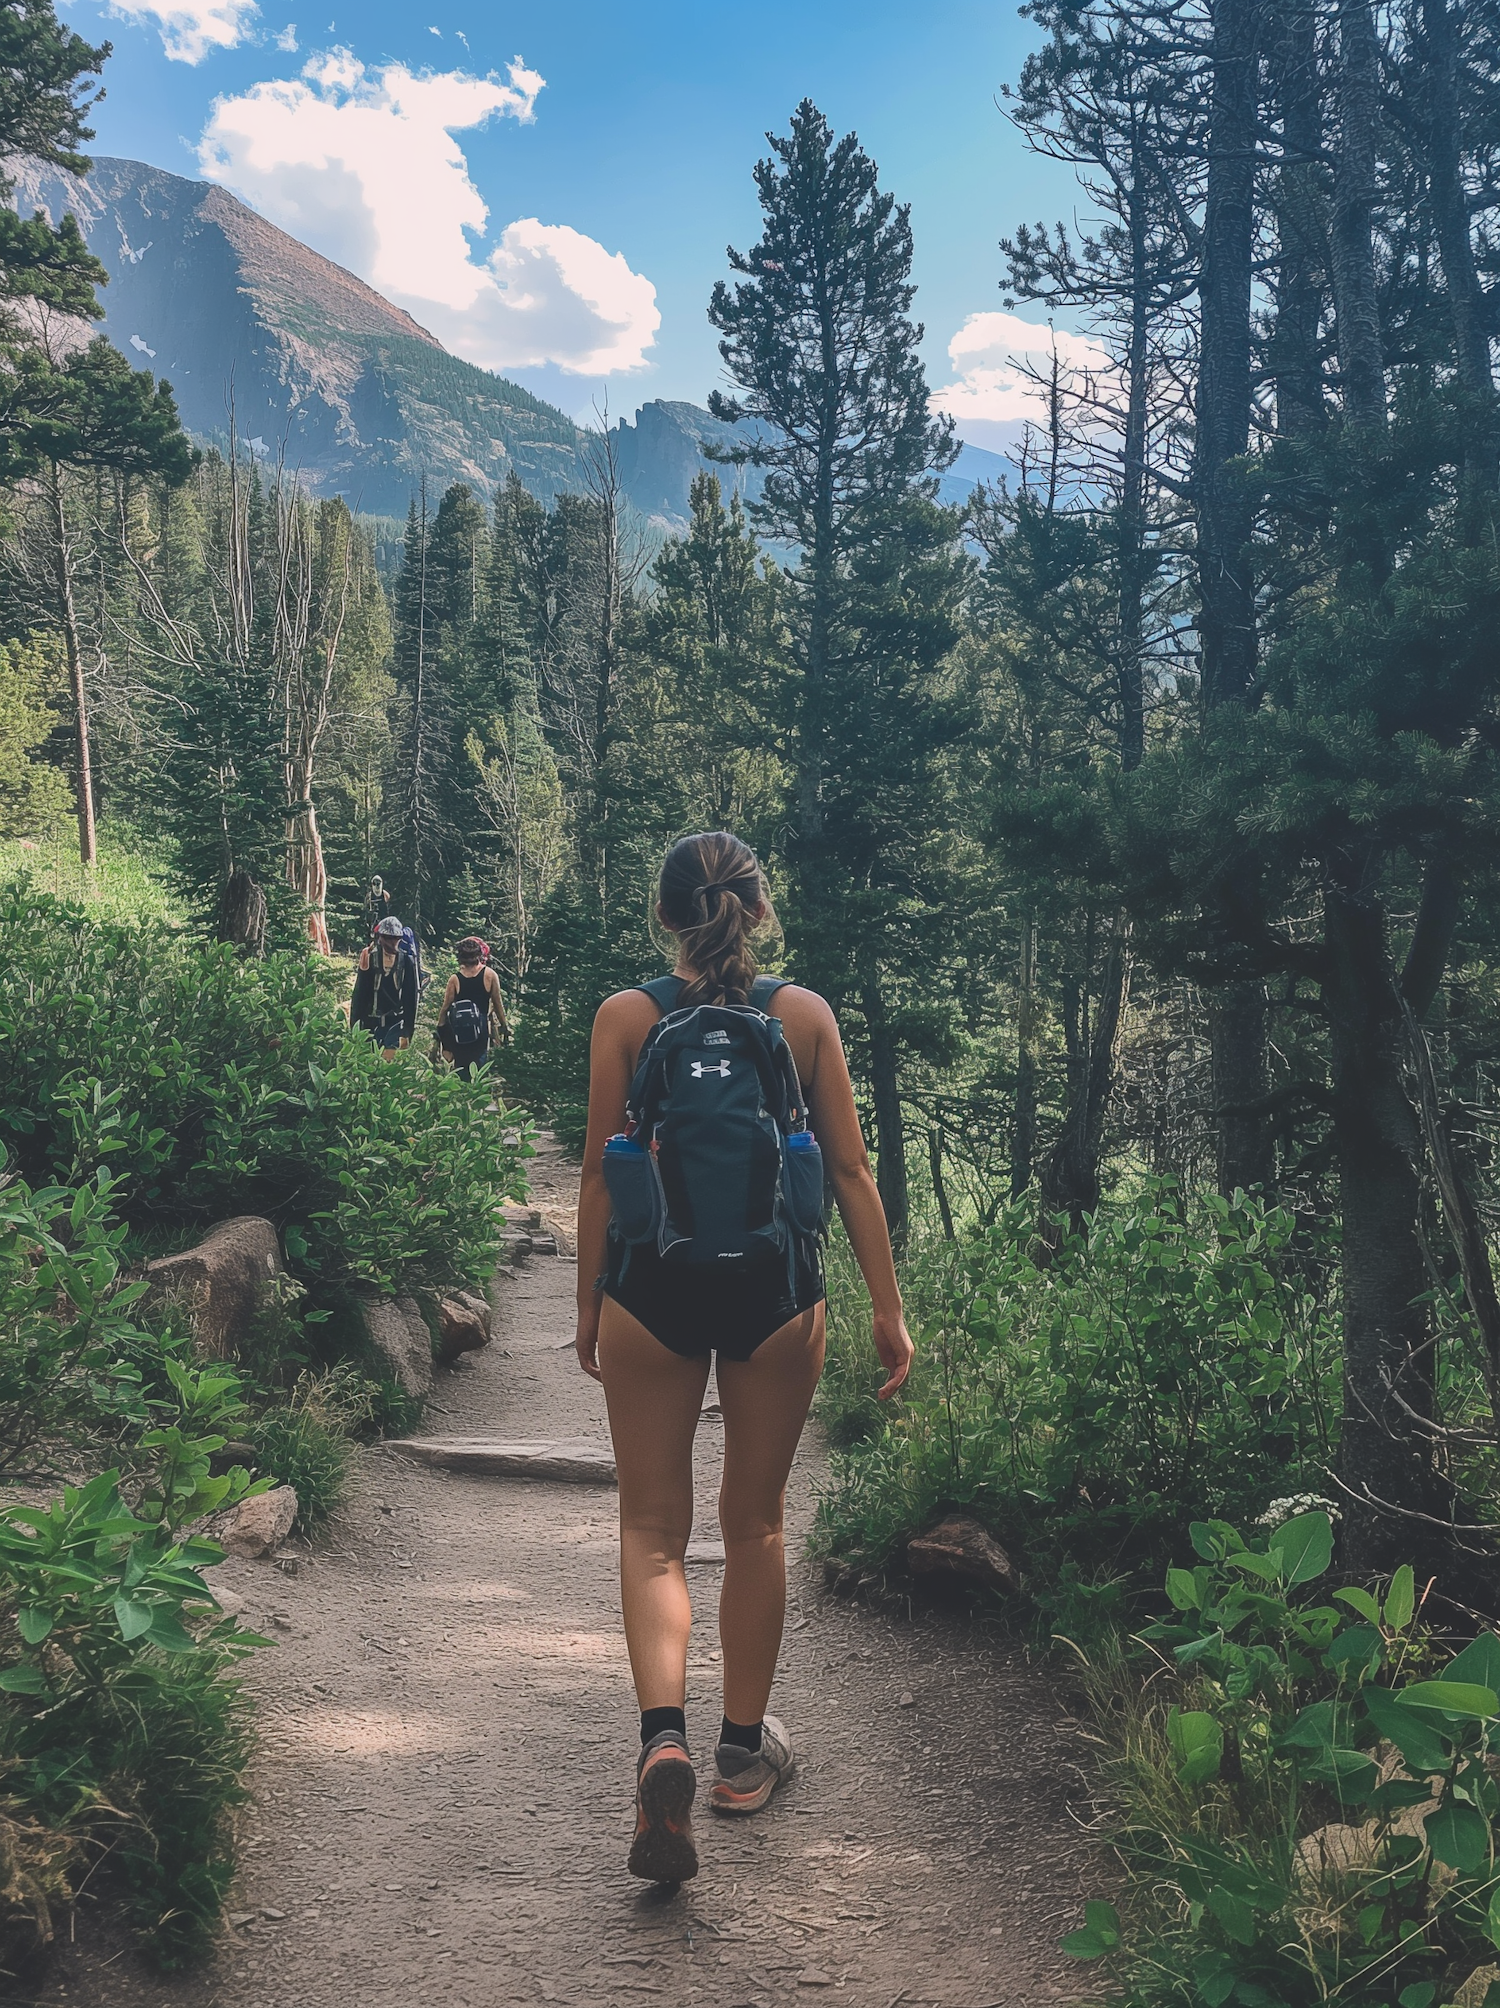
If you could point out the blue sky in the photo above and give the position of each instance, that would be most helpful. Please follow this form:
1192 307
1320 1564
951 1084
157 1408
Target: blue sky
613 160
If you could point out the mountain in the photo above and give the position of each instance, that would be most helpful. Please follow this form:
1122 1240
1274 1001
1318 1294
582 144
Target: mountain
351 391
206 293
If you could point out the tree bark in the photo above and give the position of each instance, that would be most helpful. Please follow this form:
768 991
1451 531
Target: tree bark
1361 353
67 613
1385 1459
890 1135
1070 1175
1245 1147
1300 229
1028 1042
242 913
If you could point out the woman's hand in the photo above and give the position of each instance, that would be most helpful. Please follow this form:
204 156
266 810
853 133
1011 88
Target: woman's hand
893 1343
586 1340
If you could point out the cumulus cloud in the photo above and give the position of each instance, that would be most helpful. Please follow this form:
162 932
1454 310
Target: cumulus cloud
991 354
287 39
190 29
362 164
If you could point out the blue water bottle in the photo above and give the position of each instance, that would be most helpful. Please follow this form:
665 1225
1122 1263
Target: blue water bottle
802 1181
633 1187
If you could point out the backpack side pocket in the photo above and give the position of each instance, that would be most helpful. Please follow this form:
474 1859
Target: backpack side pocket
634 1189
802 1181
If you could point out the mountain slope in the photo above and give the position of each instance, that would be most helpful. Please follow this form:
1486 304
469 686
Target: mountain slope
350 390
360 398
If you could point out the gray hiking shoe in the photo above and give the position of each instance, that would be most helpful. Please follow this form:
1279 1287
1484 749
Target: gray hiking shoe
665 1781
747 1778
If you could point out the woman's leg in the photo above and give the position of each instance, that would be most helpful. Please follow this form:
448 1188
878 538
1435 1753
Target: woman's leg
654 1398
765 1400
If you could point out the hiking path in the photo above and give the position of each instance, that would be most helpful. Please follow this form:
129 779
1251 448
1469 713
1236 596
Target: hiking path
442 1795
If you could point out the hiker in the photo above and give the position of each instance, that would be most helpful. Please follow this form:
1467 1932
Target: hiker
715 1249
471 1002
386 989
377 904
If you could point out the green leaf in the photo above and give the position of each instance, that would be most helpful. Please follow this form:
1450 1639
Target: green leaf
23 1680
134 1619
1479 1660
1400 1601
1453 1697
1214 1975
1459 1836
1182 1588
35 1623
1361 1601
1305 1546
1492 1920
1361 1648
1197 1744
1421 1994
1098 1934
1420 1740
1232 1911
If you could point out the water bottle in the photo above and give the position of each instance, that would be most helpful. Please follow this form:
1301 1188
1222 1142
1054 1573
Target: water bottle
802 1181
634 1189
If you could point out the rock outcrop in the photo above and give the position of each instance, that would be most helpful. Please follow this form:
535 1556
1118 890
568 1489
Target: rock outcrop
398 1332
225 1280
258 1526
959 1550
463 1327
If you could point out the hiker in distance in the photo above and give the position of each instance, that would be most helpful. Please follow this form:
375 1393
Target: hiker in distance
472 1005
701 1217
386 989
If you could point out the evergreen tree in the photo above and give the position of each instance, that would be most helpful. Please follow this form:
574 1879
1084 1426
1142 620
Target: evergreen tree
818 338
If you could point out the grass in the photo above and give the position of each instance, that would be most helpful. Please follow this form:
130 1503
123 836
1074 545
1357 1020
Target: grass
129 881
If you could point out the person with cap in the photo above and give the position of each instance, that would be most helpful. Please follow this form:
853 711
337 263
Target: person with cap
471 1002
386 990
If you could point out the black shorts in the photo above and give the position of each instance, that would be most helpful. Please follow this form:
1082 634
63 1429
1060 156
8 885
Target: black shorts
695 1311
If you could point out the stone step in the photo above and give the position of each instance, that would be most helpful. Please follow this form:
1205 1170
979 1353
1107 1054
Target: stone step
580 1463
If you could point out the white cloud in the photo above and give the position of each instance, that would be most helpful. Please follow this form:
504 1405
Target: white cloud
361 163
191 28
287 39
991 354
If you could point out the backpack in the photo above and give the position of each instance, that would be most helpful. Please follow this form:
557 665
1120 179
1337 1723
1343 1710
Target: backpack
411 948
717 1165
465 1023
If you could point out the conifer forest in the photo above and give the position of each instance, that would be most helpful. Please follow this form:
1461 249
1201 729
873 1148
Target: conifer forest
1139 817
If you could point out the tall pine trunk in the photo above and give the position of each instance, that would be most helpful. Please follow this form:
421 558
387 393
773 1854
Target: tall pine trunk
890 1133
67 614
1226 618
1384 1458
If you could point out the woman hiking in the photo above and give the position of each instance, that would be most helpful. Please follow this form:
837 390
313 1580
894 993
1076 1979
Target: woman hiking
386 990
694 1264
471 1000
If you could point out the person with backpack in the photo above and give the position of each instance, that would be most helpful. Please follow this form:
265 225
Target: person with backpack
386 989
471 1002
716 1101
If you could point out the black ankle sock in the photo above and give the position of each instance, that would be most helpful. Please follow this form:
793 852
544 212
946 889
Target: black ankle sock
745 1734
655 1720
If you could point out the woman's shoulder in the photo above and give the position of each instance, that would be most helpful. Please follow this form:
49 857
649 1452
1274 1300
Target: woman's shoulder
809 1005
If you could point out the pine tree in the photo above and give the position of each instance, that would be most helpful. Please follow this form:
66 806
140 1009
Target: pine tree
818 338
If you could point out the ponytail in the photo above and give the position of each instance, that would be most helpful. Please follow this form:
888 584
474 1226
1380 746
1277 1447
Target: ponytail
713 897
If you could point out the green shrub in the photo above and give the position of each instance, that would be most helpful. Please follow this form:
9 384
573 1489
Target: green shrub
307 1442
1175 1363
212 1085
1305 1789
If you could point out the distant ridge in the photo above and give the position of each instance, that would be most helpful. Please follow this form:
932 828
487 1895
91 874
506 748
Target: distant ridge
357 396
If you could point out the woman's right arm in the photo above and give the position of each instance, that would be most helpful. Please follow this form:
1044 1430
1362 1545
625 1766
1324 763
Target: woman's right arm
847 1163
449 993
610 1068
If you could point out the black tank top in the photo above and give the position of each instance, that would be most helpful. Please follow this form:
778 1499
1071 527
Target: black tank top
474 990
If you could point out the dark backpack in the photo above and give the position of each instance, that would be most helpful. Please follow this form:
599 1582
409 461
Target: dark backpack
708 1168
465 1023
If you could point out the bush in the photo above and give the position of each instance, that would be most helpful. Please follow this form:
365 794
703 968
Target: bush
308 1441
1305 1790
122 1727
1173 1364
214 1085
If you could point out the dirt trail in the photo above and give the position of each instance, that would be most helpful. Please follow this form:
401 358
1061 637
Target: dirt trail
442 1797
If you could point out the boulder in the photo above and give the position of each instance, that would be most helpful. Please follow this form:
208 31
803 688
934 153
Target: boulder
226 1279
258 1526
398 1332
460 1330
958 1549
480 1306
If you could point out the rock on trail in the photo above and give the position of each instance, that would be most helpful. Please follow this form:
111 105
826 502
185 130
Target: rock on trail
442 1795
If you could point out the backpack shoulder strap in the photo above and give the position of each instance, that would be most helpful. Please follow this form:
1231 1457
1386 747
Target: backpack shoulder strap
664 992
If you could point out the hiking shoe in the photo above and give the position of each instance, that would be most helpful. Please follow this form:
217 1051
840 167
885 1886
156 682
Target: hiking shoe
747 1778
665 1782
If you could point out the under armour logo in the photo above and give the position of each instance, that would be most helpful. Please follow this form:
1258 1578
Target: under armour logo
702 1067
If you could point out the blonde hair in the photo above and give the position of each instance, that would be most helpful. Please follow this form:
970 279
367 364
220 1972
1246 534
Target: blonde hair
712 894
